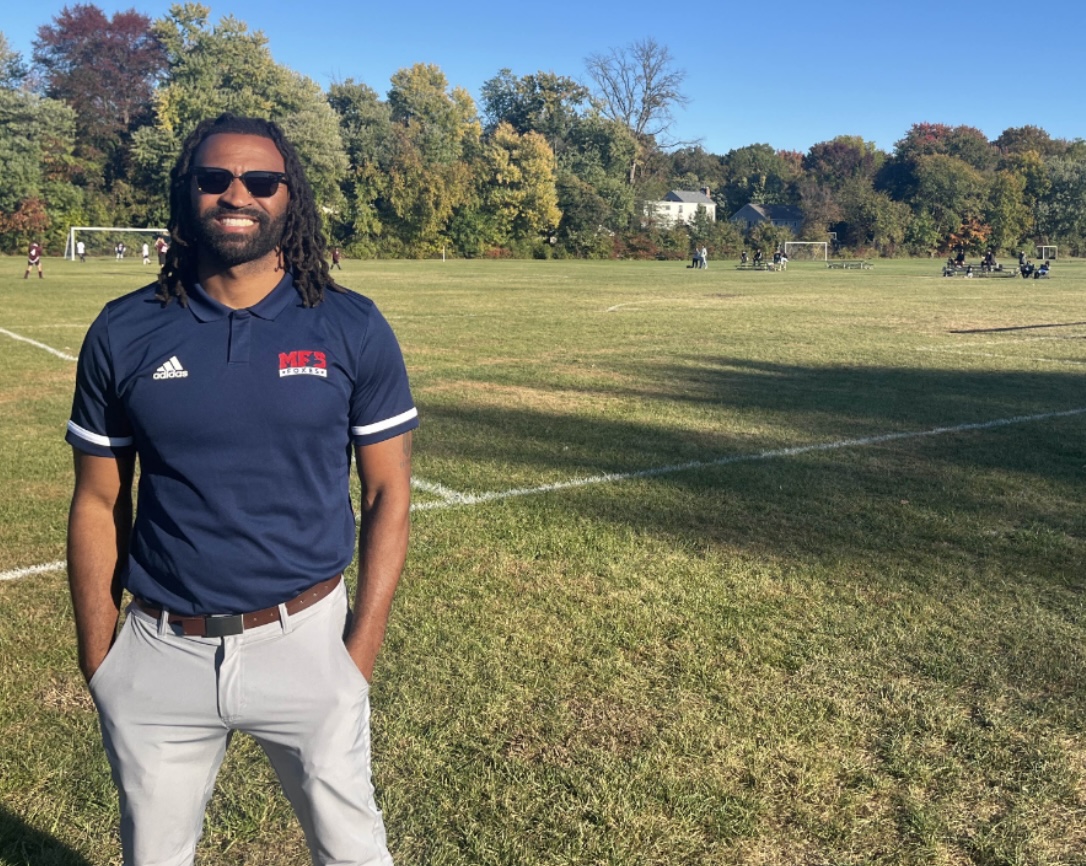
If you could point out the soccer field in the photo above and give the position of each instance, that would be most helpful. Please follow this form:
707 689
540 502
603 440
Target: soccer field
707 567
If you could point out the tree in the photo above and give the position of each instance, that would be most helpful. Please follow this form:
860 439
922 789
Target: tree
758 173
1021 139
640 87
1062 213
104 68
952 192
36 142
227 68
543 102
13 71
842 159
518 186
1007 212
365 124
434 148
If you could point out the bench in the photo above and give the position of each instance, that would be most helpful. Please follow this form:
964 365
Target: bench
760 266
998 271
850 265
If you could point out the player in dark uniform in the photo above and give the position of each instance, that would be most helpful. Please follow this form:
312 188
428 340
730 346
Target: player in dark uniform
33 259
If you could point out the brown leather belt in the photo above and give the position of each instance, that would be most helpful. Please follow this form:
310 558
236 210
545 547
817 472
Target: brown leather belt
223 625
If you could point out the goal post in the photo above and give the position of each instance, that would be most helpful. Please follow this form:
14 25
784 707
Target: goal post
107 236
810 251
1047 251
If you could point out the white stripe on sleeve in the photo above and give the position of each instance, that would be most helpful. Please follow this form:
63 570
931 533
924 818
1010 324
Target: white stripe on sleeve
385 425
97 439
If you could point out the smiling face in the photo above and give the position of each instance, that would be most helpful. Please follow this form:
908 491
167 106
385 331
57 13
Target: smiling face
235 227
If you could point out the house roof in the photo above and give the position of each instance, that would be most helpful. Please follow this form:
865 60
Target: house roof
688 196
775 212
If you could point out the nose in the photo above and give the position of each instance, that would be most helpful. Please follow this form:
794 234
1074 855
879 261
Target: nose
236 193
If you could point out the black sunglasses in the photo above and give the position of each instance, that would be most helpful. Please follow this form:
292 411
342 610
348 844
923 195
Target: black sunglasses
216 181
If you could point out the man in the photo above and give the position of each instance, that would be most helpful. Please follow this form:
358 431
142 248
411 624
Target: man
161 246
240 380
33 260
81 251
146 252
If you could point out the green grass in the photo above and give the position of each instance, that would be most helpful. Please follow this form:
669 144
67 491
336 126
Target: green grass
873 653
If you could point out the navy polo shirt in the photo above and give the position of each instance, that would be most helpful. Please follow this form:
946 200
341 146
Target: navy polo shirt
243 421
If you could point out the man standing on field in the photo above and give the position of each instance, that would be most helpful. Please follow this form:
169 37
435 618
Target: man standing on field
243 380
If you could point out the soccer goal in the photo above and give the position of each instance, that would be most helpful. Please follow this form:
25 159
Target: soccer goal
100 241
807 251
1046 252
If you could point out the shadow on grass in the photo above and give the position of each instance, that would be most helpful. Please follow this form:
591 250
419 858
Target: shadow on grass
912 493
783 405
23 845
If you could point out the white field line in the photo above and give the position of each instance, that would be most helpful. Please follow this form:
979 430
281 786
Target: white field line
613 477
450 496
456 499
17 573
48 349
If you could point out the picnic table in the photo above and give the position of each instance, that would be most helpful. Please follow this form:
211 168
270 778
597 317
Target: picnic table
850 265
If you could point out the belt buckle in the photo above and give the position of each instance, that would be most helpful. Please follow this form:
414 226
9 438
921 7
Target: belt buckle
223 624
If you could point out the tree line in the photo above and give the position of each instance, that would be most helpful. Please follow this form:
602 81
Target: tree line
542 166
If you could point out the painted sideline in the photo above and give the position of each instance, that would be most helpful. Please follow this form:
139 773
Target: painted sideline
48 349
452 499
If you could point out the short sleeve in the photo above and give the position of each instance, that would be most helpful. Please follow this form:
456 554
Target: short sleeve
98 424
381 402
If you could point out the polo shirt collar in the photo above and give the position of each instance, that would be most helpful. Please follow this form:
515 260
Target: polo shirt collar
206 309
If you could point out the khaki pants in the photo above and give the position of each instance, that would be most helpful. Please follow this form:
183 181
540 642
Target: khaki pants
168 705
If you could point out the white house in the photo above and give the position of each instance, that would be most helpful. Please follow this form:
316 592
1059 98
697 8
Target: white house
680 205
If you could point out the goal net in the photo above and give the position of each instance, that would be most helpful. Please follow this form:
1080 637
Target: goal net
1046 253
806 251
102 241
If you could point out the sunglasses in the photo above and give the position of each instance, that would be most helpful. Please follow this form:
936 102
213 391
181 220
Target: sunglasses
216 181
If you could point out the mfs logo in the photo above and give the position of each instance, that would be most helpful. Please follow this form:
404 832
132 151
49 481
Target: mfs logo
303 363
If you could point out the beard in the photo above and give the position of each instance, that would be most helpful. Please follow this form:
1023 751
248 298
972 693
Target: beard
227 249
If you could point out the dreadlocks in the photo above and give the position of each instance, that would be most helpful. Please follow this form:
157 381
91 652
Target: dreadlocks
303 243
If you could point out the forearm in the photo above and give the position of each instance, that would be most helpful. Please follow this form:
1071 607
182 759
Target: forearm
382 550
97 544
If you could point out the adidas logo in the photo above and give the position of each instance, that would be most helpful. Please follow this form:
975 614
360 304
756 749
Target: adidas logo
172 369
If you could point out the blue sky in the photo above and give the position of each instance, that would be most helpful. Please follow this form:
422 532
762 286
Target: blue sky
788 74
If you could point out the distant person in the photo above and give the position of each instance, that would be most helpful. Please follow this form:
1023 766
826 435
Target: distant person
743 258
1021 258
704 257
146 251
969 272
33 259
81 251
757 257
1042 271
335 258
119 250
776 257
1027 270
960 260
784 261
161 246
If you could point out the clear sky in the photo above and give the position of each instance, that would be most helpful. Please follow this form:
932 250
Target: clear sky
788 74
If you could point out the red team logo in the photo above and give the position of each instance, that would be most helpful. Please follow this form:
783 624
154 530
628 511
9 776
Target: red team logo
303 363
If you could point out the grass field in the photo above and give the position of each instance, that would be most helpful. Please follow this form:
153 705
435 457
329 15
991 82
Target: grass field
707 567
